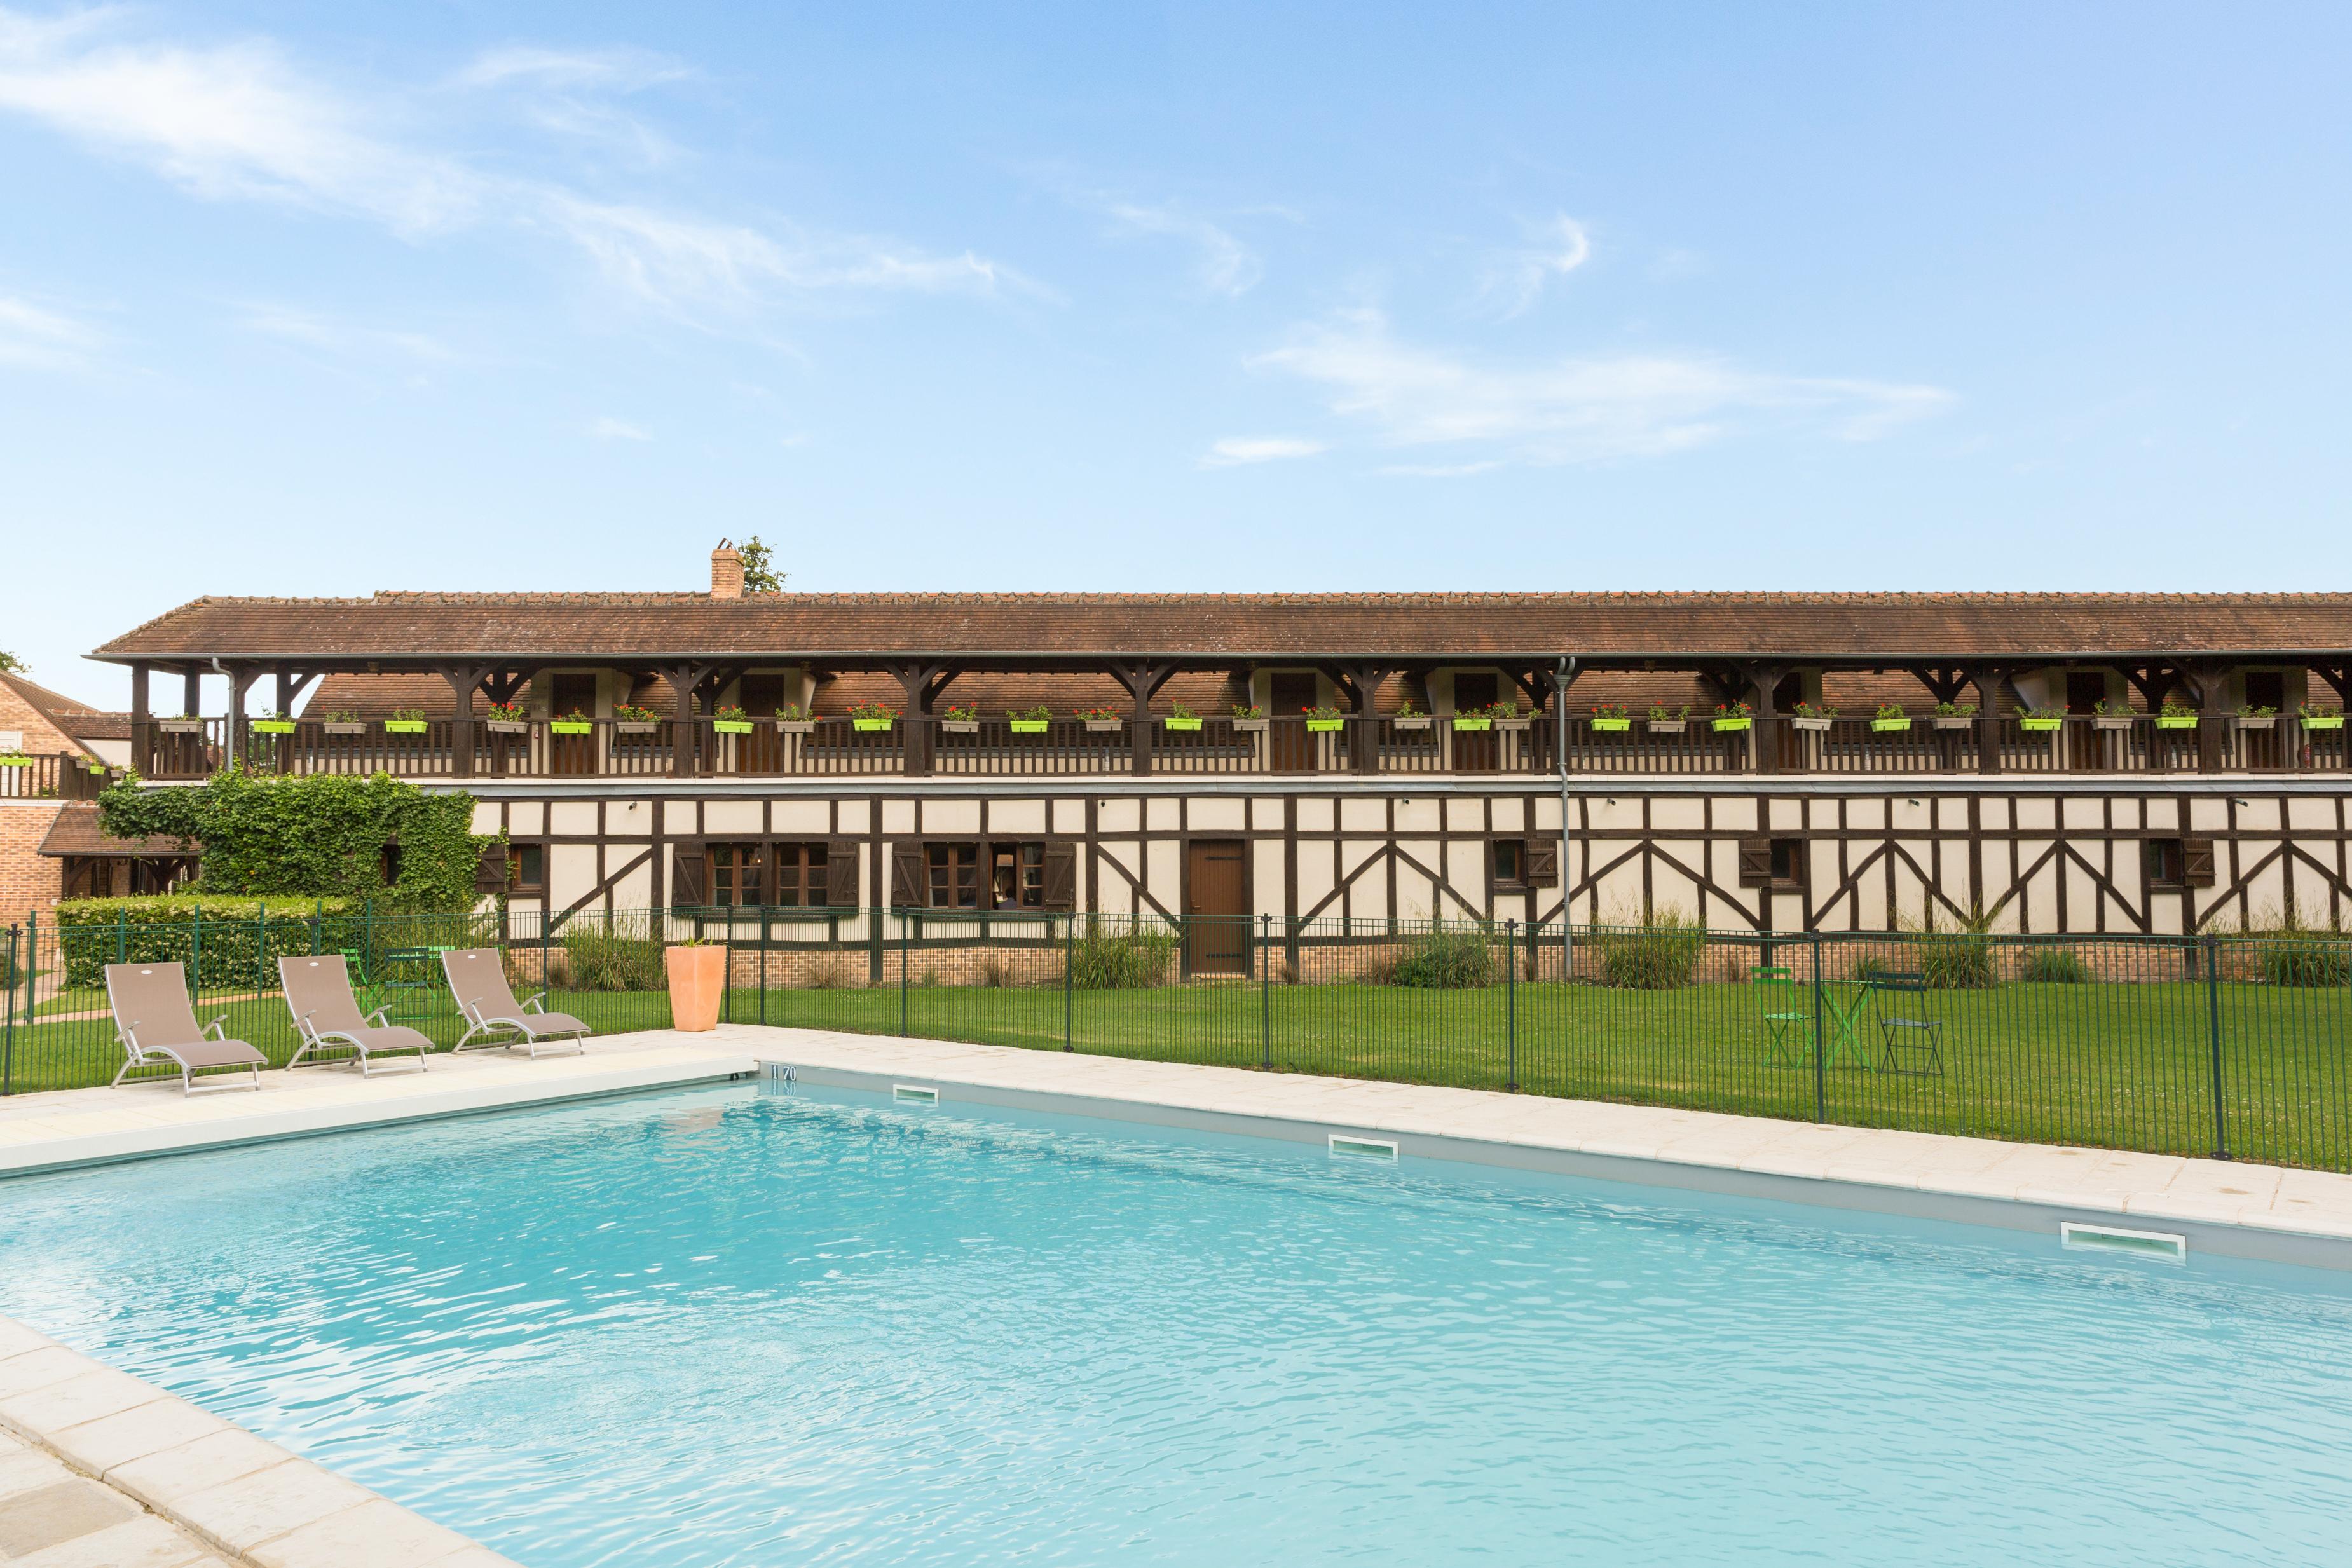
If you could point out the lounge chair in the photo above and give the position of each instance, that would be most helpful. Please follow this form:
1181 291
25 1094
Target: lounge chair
328 1016
478 978
157 1026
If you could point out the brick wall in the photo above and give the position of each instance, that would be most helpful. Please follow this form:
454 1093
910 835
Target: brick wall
42 738
27 881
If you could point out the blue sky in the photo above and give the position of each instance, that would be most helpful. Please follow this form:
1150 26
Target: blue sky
321 300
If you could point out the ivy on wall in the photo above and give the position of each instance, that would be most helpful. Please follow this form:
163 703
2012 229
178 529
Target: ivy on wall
314 836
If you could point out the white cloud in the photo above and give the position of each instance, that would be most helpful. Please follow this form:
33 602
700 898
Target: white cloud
245 121
1517 278
1577 409
41 339
618 70
316 332
610 429
1225 264
1235 450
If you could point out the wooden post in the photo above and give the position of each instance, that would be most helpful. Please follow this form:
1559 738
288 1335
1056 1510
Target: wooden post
462 679
1988 685
1142 683
142 726
192 692
239 677
683 736
1763 730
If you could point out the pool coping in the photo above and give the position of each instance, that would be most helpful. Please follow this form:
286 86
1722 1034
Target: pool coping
2268 1213
236 1493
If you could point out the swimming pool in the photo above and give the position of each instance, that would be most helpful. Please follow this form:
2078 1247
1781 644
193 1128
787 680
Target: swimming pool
744 1325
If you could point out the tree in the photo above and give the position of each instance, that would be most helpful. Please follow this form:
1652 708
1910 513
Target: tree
12 665
758 576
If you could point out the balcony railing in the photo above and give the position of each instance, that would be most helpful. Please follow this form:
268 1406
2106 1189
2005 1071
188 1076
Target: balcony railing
1387 746
63 777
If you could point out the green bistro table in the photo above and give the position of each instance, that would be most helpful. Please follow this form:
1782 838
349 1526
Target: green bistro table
1841 1017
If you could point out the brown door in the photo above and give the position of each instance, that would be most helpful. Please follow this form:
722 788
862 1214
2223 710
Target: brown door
567 694
1474 753
1216 908
1291 749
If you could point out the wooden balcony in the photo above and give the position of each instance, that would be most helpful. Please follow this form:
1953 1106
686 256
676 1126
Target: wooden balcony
63 777
996 748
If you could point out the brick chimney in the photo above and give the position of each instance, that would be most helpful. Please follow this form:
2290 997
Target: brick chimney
725 571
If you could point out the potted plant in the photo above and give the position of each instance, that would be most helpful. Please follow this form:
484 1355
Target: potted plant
1811 717
507 718
2042 719
2175 715
872 715
1955 716
406 721
1099 719
730 720
271 723
1890 716
1407 716
792 718
15 759
2111 714
1249 718
960 719
1611 718
188 725
343 722
1732 718
1506 716
2321 716
573 722
1473 721
2250 718
1664 720
1181 717
1030 720
698 984
629 719
1324 720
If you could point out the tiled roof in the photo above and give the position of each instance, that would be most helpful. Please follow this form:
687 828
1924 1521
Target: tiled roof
413 627
74 720
76 832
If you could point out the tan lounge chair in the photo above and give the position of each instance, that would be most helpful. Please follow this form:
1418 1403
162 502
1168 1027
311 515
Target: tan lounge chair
157 1026
328 1016
478 978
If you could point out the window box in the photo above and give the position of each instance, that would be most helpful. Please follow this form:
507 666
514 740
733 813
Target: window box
181 726
16 762
1889 726
1029 726
1733 726
959 726
1517 724
403 727
1103 725
1954 721
509 726
2037 726
1612 726
568 727
2323 721
273 727
872 726
1181 722
797 727
345 728
1810 726
636 727
2258 721
1329 725
2176 721
1463 726
731 726
1249 727
2111 721
1668 725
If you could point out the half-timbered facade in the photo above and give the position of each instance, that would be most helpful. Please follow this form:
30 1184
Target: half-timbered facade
2070 763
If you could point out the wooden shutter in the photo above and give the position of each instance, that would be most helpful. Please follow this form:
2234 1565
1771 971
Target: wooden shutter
1540 862
841 874
2197 862
1755 863
689 878
910 886
1061 876
491 869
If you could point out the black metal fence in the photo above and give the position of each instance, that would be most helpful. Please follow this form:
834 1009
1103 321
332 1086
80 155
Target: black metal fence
2218 1044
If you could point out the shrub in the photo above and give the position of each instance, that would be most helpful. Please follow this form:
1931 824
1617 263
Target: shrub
1959 958
222 940
603 961
1445 961
1136 961
2056 966
827 975
1661 953
2294 954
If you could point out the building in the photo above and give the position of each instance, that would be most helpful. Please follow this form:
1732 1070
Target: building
54 752
1321 757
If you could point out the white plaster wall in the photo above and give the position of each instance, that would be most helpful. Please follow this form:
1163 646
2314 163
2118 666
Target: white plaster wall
571 873
1217 814
571 817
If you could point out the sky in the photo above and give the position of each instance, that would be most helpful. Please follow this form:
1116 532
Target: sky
311 299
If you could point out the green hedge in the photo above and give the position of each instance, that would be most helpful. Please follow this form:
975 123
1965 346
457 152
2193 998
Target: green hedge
226 942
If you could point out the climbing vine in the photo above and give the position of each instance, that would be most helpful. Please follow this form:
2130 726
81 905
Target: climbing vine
318 836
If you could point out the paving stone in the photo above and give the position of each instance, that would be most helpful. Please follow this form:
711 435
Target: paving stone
38 1368
161 1478
243 1513
97 1392
145 1541
27 1470
63 1510
100 1444
376 1535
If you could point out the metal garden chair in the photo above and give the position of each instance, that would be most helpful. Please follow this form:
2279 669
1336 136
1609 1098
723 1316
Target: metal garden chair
1788 1022
1914 1037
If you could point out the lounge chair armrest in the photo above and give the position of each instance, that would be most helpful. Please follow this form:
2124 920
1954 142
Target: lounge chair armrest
212 1028
377 1017
534 1000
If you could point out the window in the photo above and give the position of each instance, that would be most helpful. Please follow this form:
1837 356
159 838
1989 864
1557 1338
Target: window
800 875
2085 689
1017 875
737 874
1511 862
954 870
1777 864
1788 860
572 694
2163 862
527 869
761 696
2178 862
2265 688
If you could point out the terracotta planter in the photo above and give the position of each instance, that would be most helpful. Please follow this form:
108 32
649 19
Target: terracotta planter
698 984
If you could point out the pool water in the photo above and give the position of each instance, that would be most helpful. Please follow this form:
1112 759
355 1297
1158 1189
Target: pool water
746 1325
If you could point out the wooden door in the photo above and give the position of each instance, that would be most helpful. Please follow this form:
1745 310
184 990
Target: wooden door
1216 907
1476 753
567 694
1289 746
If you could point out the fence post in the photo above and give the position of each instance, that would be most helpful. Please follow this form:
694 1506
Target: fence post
765 937
1511 1002
1820 1061
1265 992
122 936
196 950
2213 1041
1069 951
905 925
8 1021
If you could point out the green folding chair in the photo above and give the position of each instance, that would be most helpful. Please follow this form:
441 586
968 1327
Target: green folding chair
1788 1022
1919 1040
